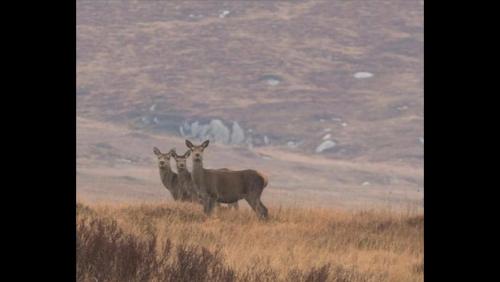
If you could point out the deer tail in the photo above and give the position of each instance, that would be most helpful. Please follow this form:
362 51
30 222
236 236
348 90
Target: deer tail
265 179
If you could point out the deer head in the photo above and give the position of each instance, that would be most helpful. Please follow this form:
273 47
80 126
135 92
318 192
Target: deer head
163 158
197 150
181 160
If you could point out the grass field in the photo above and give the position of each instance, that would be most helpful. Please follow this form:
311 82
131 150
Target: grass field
177 242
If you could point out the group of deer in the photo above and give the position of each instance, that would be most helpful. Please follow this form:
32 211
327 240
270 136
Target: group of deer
210 187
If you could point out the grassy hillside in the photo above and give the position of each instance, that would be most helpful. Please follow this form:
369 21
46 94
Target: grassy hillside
177 242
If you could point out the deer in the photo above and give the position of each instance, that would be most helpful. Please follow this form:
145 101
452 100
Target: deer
226 186
185 181
167 176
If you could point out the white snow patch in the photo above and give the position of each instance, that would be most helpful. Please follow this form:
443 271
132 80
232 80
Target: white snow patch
224 14
273 82
328 136
366 183
328 144
344 124
363 74
152 108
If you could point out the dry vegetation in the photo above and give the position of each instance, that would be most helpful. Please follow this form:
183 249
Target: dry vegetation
177 242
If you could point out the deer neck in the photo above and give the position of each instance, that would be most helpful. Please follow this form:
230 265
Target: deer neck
167 176
184 174
197 173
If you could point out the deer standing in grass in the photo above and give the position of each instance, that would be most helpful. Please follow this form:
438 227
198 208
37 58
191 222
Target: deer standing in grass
185 181
226 186
169 178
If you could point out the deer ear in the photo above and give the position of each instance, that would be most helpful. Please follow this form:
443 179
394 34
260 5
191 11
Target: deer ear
187 154
173 153
189 144
205 144
156 151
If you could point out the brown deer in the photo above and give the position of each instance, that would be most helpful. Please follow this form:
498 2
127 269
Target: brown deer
185 181
226 186
167 176
170 179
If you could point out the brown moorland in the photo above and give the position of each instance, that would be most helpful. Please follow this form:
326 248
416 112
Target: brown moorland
177 242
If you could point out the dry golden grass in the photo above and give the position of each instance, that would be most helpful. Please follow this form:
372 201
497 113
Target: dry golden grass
294 244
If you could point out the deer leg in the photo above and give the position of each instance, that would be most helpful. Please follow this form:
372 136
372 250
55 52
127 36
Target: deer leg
252 204
253 200
262 209
174 195
234 205
206 203
209 206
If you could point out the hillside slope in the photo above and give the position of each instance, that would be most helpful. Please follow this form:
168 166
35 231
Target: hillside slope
325 96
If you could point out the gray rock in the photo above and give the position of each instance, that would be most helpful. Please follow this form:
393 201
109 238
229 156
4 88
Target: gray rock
292 144
237 135
185 129
249 142
363 75
271 80
145 120
199 131
266 140
195 129
224 14
203 131
218 131
326 145
215 131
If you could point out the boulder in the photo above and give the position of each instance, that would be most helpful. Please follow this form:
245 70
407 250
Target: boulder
237 135
326 145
